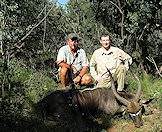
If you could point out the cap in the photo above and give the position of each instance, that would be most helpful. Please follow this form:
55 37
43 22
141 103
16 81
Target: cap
72 36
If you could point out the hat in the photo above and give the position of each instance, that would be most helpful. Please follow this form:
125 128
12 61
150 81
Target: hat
72 36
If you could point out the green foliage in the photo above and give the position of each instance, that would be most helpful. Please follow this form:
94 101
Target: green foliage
160 97
38 85
134 24
20 73
160 102
24 84
26 88
132 83
151 87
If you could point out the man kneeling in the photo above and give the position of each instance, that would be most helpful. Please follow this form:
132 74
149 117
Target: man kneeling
73 63
112 58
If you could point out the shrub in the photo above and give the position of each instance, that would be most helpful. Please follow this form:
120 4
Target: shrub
38 85
27 87
151 86
35 83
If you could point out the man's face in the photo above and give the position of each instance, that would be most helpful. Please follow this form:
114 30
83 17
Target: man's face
105 42
73 44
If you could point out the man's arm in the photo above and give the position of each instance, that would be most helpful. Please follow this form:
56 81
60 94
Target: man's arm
93 67
61 58
127 59
81 74
63 64
83 71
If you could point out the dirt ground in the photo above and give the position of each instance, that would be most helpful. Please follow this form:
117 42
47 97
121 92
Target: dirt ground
152 123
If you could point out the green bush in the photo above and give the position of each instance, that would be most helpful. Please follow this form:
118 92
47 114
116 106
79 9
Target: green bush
38 85
19 72
160 98
151 87
27 86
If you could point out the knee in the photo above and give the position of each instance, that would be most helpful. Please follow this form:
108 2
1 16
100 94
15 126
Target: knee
86 79
121 68
63 71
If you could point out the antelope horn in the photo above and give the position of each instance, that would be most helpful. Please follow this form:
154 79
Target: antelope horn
121 99
139 88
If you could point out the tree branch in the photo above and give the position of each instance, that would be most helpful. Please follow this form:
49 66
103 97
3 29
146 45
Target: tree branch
44 34
117 7
153 61
143 31
36 25
122 17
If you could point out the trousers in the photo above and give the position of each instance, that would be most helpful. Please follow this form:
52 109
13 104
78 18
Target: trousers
119 77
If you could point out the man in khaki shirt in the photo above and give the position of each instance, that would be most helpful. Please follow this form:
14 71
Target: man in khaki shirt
113 58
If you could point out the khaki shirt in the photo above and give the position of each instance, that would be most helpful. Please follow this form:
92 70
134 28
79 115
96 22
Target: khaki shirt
103 59
79 58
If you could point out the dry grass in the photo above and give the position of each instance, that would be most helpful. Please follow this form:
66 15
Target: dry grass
152 123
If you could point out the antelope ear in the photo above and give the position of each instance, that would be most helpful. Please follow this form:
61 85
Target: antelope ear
146 109
147 101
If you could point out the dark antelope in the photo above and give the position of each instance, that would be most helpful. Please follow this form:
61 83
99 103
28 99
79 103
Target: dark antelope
107 100
112 102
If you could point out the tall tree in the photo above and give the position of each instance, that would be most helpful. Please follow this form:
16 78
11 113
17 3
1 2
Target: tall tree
136 25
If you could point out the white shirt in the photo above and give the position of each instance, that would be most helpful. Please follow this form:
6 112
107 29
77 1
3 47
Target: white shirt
79 58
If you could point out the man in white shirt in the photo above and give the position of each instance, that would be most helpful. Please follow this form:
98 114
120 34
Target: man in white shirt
112 58
73 63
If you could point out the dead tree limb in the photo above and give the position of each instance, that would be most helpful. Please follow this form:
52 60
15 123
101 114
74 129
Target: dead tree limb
122 17
153 61
143 31
44 34
35 25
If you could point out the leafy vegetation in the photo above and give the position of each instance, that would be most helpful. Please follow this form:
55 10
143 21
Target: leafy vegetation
32 31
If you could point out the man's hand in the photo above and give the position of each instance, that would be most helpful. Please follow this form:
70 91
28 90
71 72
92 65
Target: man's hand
100 78
77 79
74 69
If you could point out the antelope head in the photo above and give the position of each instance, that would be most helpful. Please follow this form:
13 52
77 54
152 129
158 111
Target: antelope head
133 106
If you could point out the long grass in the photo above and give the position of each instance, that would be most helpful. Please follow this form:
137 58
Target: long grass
36 83
151 86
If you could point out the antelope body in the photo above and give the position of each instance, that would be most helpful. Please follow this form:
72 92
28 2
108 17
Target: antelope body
106 100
